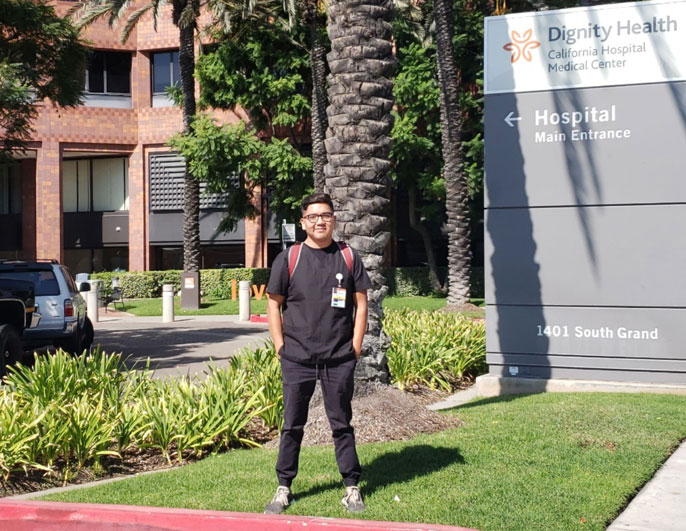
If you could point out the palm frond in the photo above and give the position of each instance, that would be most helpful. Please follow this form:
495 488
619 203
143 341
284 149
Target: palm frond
133 19
121 6
89 12
290 10
188 16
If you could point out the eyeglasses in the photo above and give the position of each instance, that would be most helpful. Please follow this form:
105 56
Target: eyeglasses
326 217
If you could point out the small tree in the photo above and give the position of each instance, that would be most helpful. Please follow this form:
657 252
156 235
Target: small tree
264 72
41 57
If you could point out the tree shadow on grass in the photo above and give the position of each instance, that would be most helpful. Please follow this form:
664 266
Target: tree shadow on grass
397 467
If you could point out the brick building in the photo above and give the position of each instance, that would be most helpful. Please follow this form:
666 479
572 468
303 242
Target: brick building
99 190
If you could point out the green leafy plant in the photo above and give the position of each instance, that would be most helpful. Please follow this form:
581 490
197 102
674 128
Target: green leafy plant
160 413
17 431
89 436
263 371
437 349
69 412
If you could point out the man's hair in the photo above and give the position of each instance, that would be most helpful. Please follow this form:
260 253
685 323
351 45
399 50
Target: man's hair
316 198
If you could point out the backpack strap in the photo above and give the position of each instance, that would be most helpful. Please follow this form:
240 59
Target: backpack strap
347 253
293 257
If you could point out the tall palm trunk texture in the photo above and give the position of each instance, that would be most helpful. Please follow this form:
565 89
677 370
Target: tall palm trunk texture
459 256
315 23
191 197
361 65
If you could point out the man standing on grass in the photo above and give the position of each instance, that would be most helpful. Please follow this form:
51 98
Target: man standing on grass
320 289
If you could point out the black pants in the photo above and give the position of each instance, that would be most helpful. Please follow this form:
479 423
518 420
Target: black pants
337 382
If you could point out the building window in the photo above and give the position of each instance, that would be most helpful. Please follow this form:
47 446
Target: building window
10 190
95 185
109 73
165 71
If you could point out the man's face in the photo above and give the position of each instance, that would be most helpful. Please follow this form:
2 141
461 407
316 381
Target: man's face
318 229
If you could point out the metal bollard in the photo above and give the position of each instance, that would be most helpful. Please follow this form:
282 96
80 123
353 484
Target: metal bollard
91 297
168 303
244 300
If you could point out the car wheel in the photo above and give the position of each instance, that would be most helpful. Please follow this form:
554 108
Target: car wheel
73 344
11 351
87 335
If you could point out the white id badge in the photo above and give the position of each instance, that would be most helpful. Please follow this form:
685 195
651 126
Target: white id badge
338 298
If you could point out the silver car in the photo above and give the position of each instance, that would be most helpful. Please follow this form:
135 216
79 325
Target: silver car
63 322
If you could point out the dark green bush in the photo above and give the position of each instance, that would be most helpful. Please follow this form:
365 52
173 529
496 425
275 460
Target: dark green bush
213 282
401 281
413 281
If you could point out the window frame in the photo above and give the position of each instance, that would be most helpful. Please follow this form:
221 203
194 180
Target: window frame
11 181
104 73
91 182
172 81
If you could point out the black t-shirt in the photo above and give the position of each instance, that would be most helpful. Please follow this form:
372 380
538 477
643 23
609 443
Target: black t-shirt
313 330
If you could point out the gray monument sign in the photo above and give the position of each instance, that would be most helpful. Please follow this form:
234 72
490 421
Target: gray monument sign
585 135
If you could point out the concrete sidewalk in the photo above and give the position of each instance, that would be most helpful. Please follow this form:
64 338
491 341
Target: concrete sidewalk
661 504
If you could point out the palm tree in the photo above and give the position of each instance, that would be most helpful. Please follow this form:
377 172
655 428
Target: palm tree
185 15
314 19
361 63
459 257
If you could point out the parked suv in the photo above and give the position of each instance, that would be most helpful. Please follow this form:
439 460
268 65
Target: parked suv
63 321
17 312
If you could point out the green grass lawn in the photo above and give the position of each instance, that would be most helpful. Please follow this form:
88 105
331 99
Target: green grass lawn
153 307
539 462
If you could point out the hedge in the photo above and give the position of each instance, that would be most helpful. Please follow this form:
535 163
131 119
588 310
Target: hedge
412 281
213 282
401 281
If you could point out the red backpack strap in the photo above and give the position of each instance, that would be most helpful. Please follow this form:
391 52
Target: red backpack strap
293 257
347 253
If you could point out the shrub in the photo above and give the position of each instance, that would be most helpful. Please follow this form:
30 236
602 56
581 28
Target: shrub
263 370
414 281
147 284
437 349
216 283
67 412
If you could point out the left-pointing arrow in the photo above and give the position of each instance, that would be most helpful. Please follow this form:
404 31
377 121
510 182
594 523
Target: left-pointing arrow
510 119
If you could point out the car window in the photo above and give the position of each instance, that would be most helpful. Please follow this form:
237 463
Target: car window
44 282
70 280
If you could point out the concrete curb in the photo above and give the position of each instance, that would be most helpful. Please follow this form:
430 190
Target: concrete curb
39 516
87 485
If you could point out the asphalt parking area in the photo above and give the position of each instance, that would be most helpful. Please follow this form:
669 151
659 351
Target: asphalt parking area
184 347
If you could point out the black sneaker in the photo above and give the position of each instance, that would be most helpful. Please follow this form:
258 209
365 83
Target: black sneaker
280 501
353 500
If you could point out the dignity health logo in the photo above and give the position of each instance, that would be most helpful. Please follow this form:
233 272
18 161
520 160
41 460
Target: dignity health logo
521 45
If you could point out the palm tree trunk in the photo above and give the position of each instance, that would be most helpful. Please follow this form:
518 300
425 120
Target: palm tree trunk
459 256
191 199
358 142
319 120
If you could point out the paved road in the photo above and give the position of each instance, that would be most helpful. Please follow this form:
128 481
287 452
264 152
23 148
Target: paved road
182 347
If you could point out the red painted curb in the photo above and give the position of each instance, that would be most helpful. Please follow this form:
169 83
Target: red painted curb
258 318
20 515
